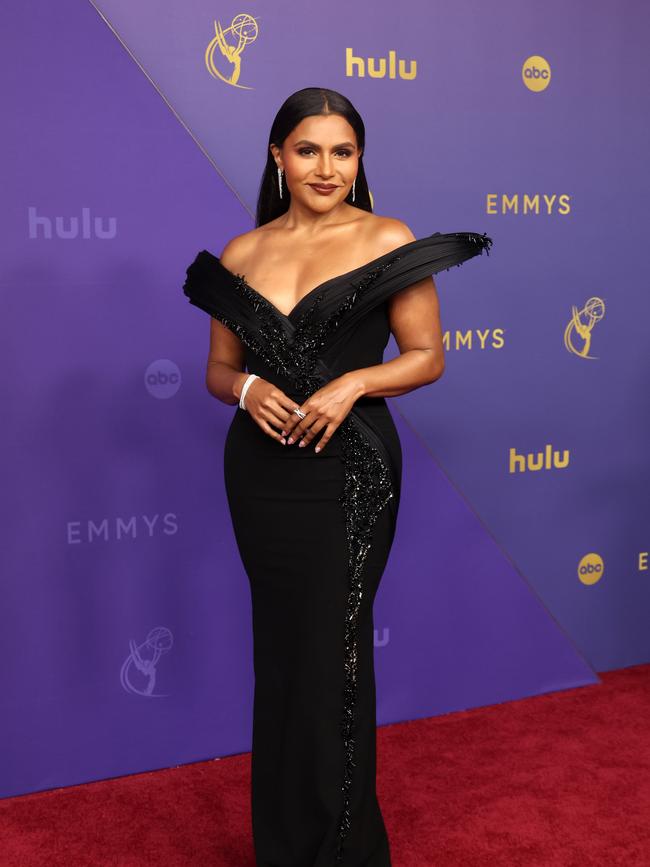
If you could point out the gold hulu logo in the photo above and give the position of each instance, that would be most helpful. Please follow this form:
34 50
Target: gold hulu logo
377 66
547 460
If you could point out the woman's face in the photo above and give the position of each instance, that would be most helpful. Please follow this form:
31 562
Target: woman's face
322 149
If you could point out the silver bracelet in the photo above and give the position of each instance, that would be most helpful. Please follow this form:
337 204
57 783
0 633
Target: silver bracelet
249 379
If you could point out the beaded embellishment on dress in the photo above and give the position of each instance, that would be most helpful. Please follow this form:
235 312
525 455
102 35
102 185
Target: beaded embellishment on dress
367 489
296 359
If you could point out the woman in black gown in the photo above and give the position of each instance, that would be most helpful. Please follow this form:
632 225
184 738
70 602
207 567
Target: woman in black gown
314 528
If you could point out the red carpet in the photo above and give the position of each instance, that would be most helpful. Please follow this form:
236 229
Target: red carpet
559 779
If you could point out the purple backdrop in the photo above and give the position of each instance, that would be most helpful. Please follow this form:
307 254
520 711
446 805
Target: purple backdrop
126 613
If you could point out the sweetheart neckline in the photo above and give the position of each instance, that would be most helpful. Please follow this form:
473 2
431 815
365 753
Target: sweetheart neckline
346 274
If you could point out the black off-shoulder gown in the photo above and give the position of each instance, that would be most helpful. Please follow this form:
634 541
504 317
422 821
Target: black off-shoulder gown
314 531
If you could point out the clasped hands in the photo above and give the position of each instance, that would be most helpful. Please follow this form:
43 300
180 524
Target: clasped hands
324 410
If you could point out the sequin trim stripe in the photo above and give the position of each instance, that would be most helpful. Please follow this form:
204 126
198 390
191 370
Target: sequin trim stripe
367 489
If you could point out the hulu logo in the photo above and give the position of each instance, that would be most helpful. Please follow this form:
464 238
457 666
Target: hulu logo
381 67
549 459
70 228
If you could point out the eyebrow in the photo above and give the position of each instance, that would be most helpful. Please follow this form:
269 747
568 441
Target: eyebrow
304 141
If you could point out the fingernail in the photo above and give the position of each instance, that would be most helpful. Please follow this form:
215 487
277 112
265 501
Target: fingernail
290 440
301 444
317 449
283 433
283 442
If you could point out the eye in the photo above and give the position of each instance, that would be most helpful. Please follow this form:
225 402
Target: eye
305 150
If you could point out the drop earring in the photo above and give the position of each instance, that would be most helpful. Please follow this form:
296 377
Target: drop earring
353 183
280 180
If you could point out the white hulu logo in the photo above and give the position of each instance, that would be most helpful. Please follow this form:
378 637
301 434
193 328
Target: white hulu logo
546 460
67 228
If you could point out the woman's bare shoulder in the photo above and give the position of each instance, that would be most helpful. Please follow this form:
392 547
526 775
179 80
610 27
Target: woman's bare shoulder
380 235
388 233
240 249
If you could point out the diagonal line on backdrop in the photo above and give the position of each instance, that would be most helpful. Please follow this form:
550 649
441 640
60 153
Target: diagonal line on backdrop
497 543
171 107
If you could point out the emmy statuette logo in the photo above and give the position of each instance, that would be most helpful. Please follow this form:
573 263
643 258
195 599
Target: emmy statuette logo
577 334
230 43
139 669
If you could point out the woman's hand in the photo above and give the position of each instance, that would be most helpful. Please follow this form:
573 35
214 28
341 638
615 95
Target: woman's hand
269 405
325 408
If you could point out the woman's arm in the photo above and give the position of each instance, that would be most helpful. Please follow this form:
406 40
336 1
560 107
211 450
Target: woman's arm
225 373
414 314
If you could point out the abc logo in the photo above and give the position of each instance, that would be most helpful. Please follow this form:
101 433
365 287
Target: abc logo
536 73
162 378
591 568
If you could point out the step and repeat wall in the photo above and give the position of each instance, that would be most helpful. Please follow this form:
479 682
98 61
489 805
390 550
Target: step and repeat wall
135 136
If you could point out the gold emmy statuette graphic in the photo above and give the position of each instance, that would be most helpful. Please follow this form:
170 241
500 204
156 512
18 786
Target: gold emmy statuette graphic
594 310
244 30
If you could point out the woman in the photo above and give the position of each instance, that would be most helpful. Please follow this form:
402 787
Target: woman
302 308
